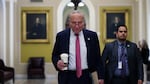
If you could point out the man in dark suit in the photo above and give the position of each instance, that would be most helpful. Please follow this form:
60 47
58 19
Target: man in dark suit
89 53
122 62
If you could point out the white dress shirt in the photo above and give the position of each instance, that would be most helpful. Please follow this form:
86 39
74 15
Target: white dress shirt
83 51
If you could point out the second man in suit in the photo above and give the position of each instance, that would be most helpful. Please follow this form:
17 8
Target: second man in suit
122 61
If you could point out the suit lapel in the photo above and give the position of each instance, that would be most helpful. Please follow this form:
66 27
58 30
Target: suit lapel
86 37
128 48
66 40
115 50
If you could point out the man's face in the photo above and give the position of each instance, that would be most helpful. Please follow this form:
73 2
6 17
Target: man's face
76 22
121 34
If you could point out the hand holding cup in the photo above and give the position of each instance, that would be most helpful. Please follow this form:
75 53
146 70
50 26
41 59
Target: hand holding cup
64 58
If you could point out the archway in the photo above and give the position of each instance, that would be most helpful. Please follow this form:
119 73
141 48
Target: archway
60 15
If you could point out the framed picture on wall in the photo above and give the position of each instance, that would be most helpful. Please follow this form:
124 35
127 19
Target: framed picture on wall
35 24
111 17
112 21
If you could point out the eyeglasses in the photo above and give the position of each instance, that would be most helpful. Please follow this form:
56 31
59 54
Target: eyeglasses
76 23
123 31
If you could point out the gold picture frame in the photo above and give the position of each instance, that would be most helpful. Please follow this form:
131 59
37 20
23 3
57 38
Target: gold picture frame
36 24
121 15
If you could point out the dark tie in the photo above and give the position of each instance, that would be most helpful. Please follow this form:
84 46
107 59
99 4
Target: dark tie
123 59
78 58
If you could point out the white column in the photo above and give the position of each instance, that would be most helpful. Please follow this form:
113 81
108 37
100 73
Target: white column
3 30
148 21
140 19
11 31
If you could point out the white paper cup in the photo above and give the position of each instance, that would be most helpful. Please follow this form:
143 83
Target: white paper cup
64 57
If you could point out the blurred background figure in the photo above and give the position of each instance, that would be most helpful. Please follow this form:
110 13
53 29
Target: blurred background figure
144 51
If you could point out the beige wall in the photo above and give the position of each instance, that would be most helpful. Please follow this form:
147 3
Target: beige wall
20 68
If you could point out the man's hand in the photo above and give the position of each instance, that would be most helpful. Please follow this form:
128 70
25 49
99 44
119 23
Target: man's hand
101 81
140 82
61 65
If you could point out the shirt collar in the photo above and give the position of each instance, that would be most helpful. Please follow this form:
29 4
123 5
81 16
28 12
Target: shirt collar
72 33
120 43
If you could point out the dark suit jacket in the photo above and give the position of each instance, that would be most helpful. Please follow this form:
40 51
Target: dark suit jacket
93 50
110 59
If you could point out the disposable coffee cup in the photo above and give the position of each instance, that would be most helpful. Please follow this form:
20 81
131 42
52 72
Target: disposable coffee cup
64 58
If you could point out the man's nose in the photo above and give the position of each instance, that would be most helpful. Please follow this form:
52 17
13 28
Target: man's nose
76 25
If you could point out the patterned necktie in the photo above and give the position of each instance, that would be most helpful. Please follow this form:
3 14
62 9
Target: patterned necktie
123 59
78 58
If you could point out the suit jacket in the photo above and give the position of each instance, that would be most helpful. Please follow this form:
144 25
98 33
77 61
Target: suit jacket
110 59
93 50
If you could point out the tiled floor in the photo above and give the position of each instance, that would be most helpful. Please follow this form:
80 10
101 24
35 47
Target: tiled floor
39 81
33 81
